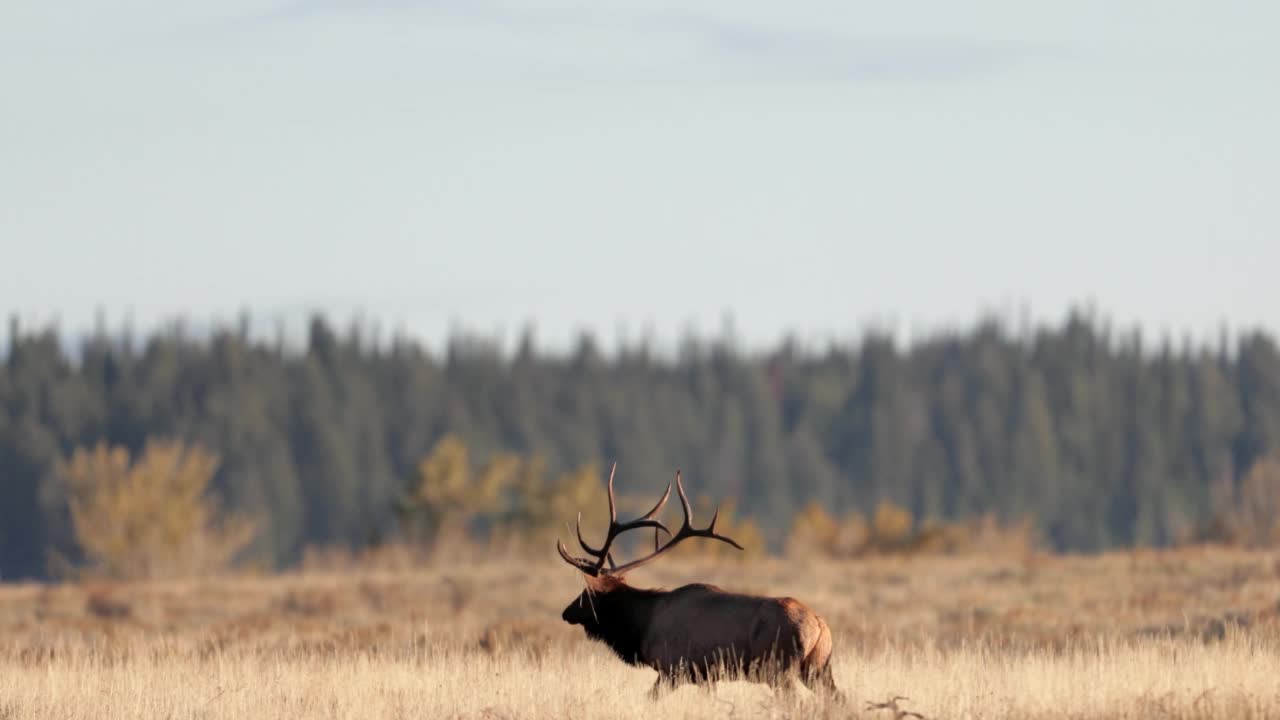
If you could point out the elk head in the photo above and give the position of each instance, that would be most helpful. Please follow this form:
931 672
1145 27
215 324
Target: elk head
608 608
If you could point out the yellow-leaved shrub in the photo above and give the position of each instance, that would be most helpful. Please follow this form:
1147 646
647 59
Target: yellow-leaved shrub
150 516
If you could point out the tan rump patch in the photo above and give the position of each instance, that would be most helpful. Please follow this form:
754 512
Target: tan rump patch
794 608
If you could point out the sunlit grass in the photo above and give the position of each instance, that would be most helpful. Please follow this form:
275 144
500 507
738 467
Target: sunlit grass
1191 634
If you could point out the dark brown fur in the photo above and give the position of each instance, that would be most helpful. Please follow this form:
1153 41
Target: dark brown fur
699 633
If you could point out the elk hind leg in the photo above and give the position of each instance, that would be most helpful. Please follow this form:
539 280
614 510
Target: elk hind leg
784 686
823 683
778 672
815 667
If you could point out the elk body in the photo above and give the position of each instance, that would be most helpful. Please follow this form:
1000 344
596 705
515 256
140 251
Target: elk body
695 633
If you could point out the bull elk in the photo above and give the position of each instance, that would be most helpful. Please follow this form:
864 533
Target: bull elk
695 633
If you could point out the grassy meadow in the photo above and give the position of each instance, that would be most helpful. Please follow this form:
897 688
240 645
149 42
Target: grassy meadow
1190 633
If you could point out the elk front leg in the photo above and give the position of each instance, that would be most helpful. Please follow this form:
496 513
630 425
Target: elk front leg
664 684
670 678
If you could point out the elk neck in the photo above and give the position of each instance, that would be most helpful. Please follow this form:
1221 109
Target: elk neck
622 618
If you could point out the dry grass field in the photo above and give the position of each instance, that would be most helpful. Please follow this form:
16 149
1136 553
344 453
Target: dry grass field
1177 634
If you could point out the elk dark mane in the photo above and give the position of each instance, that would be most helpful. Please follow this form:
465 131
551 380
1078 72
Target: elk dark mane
618 617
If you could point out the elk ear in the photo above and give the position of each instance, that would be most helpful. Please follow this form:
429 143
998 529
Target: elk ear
599 584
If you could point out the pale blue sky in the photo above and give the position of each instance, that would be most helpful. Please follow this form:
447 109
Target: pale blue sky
803 166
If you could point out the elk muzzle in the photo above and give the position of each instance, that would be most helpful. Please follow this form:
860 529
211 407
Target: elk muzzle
576 613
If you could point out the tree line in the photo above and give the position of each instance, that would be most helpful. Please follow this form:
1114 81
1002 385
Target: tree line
1100 439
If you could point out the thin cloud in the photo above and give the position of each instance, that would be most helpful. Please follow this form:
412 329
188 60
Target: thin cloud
728 50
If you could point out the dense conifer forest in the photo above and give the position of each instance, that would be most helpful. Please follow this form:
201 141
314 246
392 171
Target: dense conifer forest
1102 438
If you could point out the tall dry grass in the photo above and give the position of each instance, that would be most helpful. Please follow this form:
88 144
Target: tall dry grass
1236 678
1192 633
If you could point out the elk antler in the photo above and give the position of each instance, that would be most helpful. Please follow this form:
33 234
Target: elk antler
616 528
686 531
602 555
